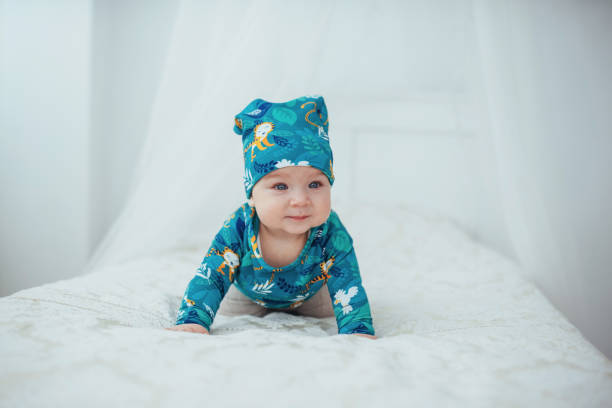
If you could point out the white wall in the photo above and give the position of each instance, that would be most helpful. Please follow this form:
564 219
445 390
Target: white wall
45 144
77 84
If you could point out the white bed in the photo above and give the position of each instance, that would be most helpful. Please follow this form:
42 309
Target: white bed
458 326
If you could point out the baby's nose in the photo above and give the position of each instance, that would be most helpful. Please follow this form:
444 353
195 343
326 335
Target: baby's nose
299 197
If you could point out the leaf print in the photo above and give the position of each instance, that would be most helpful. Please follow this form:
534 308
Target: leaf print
260 110
310 144
284 115
264 167
254 112
201 315
209 311
300 297
281 141
248 179
283 133
204 271
263 288
322 133
341 241
246 260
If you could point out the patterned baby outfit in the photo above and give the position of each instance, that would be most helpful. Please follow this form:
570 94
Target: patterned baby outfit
235 258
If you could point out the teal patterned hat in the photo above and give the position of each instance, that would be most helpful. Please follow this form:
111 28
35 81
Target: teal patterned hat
277 135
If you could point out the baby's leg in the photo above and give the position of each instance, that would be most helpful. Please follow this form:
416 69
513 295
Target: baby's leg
319 305
235 303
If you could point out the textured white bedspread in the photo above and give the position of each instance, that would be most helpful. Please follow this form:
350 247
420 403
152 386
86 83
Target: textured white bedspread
458 326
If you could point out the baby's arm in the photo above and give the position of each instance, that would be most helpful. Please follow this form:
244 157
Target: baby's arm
349 298
212 280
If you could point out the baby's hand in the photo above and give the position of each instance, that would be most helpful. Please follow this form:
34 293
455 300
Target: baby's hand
189 327
369 336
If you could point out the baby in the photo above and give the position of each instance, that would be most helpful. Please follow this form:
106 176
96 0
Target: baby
284 249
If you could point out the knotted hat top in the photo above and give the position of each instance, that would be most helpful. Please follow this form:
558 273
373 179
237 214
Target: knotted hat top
277 135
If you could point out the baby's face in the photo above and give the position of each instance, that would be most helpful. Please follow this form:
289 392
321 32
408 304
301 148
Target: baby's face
291 200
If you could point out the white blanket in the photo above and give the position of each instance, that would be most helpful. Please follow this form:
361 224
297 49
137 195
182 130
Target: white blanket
458 326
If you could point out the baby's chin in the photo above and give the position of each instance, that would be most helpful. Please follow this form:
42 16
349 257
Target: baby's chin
292 227
297 230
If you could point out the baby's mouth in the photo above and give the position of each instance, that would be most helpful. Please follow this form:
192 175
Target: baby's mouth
298 218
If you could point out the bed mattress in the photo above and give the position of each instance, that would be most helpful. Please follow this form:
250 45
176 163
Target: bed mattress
458 325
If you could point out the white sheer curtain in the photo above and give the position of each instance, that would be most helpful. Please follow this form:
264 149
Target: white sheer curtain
548 91
535 76
223 54
189 175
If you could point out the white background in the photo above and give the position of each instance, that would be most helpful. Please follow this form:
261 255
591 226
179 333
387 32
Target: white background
496 115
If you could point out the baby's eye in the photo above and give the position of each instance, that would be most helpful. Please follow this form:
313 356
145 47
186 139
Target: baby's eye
280 186
315 184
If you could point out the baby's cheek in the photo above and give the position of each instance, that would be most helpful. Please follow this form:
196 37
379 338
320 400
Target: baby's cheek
325 208
269 217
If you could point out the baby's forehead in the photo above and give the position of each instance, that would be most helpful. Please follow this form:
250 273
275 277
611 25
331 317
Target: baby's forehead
295 172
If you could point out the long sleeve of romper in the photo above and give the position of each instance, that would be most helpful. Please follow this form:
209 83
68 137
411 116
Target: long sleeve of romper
349 299
214 275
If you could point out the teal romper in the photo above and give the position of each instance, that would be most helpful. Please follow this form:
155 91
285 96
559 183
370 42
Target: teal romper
234 257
